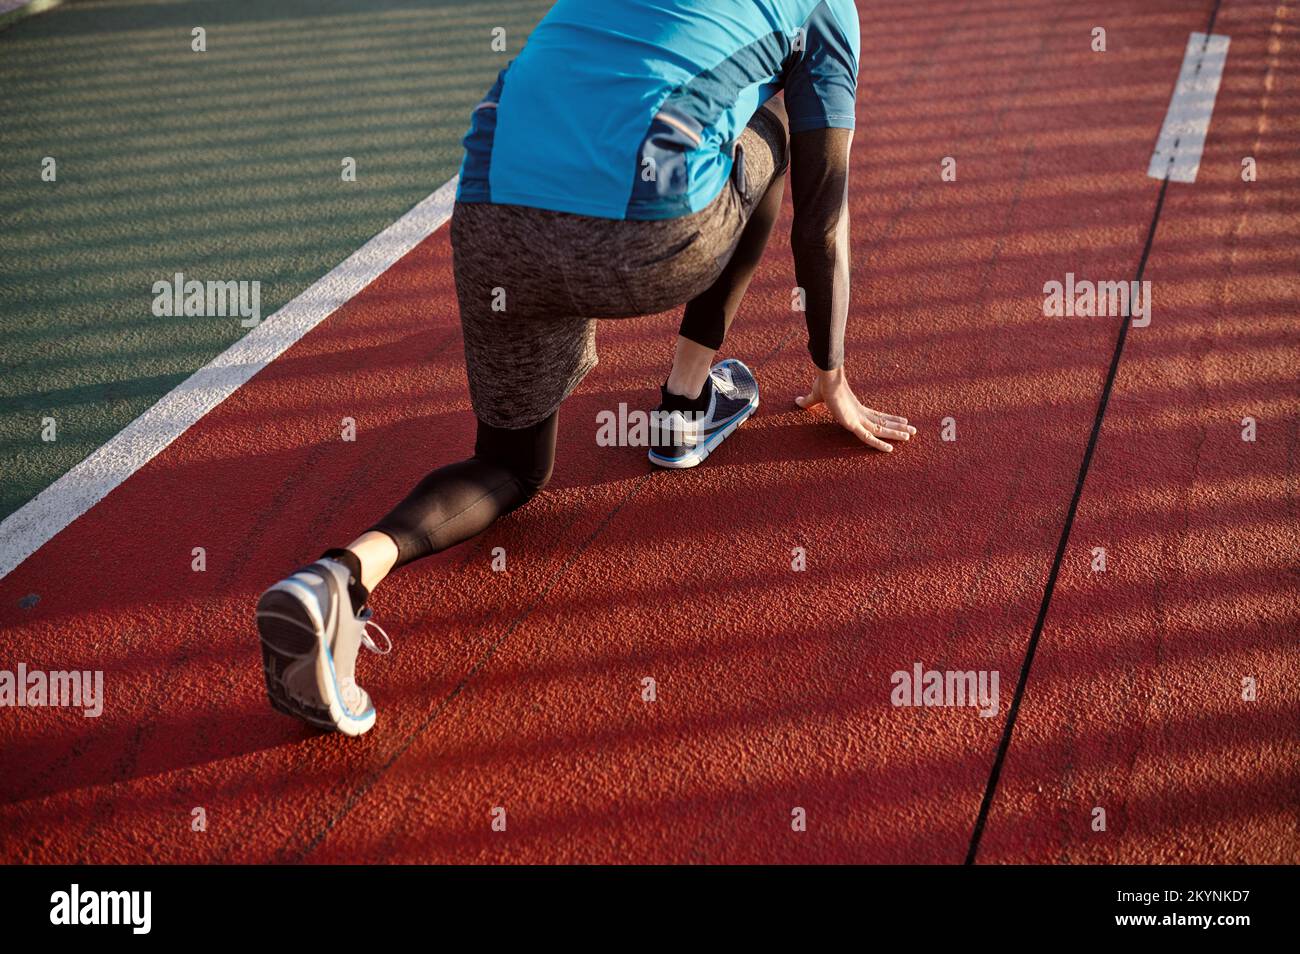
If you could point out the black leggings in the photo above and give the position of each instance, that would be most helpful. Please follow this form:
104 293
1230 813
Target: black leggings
509 467
461 500
709 314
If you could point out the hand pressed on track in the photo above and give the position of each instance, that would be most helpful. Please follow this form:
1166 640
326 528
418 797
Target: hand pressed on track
869 426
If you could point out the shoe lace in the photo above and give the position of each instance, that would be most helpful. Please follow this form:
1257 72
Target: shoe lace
723 381
367 620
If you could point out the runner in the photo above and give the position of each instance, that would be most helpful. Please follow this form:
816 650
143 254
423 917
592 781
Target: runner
631 159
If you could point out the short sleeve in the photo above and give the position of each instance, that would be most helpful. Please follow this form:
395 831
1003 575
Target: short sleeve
821 88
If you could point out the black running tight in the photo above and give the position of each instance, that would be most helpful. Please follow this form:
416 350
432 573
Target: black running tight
709 314
461 500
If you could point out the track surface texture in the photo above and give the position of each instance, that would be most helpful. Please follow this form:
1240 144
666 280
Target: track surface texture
522 690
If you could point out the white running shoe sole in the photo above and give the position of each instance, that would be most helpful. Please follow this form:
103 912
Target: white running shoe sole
293 639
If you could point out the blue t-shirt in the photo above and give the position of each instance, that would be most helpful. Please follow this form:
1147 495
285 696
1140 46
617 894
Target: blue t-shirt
631 108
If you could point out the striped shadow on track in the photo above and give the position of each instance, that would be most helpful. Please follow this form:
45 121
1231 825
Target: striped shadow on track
1179 162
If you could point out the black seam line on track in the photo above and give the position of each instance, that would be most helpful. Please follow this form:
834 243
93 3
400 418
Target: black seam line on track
996 773
483 660
1214 14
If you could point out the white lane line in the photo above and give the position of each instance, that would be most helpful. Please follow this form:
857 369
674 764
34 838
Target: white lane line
1182 138
27 529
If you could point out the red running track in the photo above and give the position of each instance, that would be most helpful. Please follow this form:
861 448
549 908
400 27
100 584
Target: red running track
522 689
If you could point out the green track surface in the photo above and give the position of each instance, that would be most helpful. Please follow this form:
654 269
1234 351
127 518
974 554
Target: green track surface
221 165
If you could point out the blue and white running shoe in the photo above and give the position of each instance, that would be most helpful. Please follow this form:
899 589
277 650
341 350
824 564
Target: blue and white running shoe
683 439
310 637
